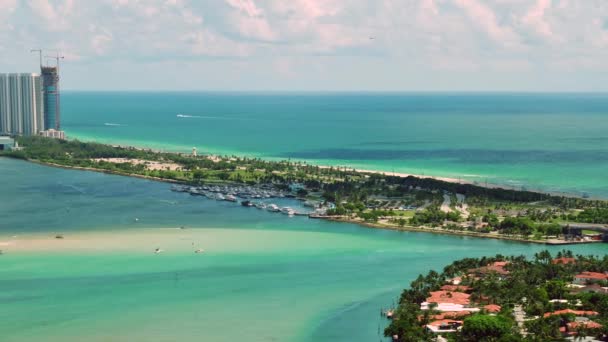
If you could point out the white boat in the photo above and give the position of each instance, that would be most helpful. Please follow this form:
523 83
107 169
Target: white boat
260 205
274 208
230 198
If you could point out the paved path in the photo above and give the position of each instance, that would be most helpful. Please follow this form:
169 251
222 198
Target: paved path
464 208
445 206
520 315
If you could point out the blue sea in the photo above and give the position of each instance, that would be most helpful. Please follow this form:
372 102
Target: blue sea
263 276
549 142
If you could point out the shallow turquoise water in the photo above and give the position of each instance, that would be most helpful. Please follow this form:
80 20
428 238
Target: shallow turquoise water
553 142
294 280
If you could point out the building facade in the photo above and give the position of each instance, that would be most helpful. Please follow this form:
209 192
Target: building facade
5 119
6 144
52 133
50 91
21 104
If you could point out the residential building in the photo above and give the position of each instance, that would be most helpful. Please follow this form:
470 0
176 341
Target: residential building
21 104
585 278
447 301
444 326
5 118
563 261
52 133
6 143
50 88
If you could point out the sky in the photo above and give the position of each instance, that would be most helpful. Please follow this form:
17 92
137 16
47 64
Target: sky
313 45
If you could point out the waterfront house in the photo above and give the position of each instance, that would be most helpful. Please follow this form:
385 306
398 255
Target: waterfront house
497 268
563 261
591 288
444 326
572 328
577 313
447 301
585 278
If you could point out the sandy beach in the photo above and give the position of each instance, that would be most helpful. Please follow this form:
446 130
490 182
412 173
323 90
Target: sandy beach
170 241
150 165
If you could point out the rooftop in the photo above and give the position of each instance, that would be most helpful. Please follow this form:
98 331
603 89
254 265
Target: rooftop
563 261
444 325
570 311
492 308
449 297
592 275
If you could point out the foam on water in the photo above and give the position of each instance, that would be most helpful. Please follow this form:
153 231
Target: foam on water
541 141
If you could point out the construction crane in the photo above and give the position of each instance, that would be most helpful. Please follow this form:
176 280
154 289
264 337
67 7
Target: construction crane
39 54
57 57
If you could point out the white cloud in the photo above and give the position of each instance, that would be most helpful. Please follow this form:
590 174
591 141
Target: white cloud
249 20
290 37
535 18
56 17
484 17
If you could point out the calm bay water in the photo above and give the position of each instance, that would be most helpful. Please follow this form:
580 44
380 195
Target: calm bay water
294 279
553 142
290 279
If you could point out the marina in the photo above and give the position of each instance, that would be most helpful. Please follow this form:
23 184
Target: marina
259 197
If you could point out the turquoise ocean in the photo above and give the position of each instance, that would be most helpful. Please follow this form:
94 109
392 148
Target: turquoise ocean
291 279
288 279
550 142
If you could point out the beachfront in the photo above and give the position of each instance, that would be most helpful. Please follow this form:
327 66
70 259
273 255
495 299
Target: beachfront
374 199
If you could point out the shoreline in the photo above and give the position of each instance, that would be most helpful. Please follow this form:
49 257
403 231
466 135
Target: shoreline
362 172
458 181
449 179
342 219
423 229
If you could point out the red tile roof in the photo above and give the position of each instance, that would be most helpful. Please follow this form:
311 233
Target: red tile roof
449 297
564 261
493 308
592 275
496 267
588 325
570 311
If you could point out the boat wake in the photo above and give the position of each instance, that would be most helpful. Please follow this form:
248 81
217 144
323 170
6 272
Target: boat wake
185 116
113 124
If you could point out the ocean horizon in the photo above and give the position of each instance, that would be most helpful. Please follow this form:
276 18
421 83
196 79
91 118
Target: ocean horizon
551 142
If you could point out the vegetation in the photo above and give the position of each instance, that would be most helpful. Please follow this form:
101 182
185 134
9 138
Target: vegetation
364 197
592 215
539 287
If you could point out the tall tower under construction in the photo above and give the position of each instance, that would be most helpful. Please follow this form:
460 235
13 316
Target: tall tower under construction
50 91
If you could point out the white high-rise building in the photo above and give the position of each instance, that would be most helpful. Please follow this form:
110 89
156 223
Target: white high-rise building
5 118
21 104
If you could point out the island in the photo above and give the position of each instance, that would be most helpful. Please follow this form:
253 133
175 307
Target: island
548 298
373 199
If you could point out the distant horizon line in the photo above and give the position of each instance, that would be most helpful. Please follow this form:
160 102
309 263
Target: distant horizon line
339 91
